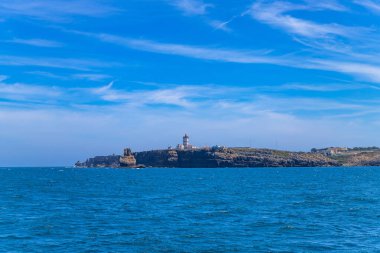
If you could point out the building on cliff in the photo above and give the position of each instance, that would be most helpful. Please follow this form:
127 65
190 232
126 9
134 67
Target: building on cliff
185 144
330 151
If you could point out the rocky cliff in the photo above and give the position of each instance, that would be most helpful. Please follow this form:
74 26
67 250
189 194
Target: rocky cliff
367 158
101 161
128 159
231 157
214 158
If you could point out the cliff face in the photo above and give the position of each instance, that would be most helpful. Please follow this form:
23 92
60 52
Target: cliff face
101 161
360 159
157 158
232 157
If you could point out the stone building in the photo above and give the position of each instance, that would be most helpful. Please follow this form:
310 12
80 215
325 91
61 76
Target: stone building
330 151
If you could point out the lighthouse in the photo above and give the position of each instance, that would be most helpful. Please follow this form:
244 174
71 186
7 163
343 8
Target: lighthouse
186 143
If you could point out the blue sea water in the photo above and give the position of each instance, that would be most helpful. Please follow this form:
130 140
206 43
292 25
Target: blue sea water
190 210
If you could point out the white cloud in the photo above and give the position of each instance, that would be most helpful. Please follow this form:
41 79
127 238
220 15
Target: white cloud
199 52
102 90
25 93
369 4
293 104
343 49
326 39
326 5
191 7
81 76
36 42
64 63
223 25
47 95
363 70
274 14
199 8
366 71
54 10
48 74
220 25
321 87
179 96
91 76
205 99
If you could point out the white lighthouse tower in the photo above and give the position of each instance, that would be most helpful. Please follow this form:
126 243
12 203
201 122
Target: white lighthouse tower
186 143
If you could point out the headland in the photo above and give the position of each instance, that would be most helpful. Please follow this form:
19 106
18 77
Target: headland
186 155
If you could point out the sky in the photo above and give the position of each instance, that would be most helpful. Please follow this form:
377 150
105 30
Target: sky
90 77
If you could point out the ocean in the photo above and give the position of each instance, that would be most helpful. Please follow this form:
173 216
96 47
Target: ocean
190 210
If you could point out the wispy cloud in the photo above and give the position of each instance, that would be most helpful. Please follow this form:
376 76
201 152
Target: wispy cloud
27 93
48 74
332 5
275 14
333 87
191 7
349 66
205 99
292 105
63 63
22 94
321 38
91 76
372 5
81 76
220 25
367 71
36 42
199 52
200 8
54 10
179 96
210 99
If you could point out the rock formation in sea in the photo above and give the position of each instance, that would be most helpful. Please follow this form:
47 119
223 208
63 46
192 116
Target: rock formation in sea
128 159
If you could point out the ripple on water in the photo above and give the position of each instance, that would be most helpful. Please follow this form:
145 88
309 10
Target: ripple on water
184 210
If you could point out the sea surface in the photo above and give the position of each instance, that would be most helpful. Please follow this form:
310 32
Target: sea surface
190 210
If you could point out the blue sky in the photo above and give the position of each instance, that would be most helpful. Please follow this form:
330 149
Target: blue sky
90 77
